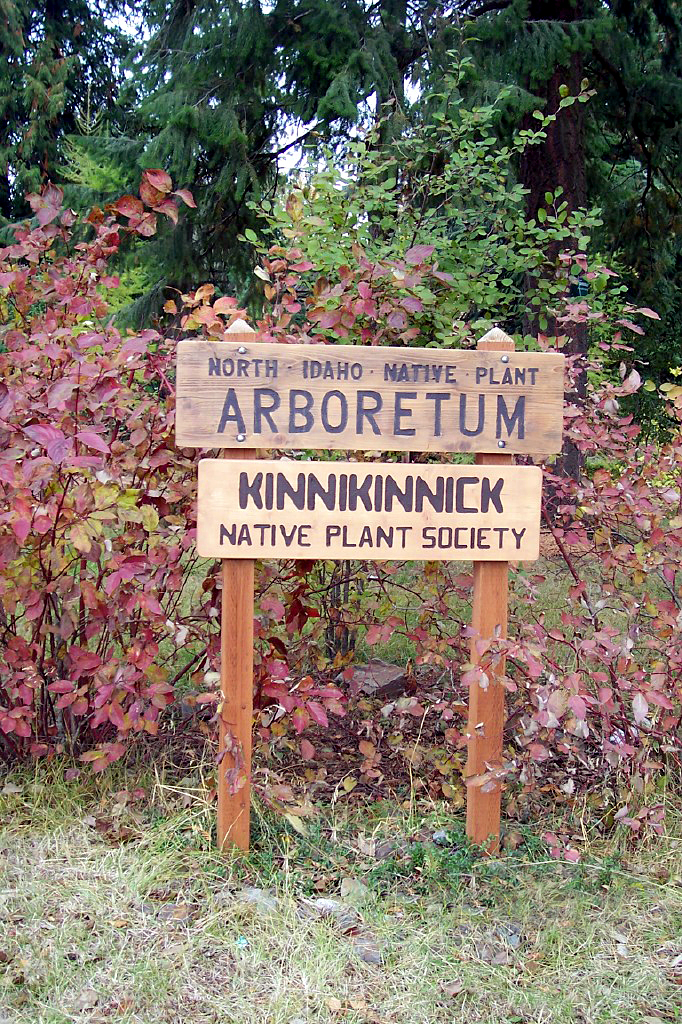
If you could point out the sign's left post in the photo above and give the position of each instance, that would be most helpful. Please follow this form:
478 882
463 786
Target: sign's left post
236 675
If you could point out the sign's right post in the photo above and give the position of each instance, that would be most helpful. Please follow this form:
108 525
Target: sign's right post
486 702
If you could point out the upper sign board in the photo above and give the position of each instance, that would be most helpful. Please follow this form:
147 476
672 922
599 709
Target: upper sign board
270 509
257 395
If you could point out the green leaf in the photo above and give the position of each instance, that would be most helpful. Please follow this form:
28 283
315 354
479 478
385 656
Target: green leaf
150 518
78 535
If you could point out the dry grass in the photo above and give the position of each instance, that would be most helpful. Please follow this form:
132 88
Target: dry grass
109 913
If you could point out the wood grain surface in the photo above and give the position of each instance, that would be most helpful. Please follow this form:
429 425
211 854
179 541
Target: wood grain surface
331 397
270 509
485 726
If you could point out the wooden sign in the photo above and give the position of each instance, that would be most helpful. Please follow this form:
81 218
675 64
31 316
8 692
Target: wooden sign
232 395
259 509
241 395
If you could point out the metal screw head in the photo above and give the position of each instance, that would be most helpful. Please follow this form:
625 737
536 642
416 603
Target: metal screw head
505 359
241 350
242 437
500 444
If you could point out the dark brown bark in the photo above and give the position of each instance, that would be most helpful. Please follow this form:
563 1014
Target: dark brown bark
560 161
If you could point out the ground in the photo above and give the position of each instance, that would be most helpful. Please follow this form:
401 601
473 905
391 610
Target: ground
114 907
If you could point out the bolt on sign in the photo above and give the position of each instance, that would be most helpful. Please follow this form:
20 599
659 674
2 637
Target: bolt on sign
493 402
259 509
378 399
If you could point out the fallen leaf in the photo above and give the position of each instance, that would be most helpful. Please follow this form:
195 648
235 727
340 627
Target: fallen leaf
387 848
452 988
367 949
295 823
86 1000
353 888
174 912
366 846
345 918
258 898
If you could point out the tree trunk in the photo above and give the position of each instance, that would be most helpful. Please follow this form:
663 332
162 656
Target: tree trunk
560 161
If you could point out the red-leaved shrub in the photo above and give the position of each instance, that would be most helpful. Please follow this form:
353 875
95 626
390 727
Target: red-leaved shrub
96 507
103 609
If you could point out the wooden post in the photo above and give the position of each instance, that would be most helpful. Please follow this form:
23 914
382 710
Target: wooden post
236 674
486 705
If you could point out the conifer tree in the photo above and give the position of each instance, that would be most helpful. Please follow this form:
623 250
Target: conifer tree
622 151
220 93
53 53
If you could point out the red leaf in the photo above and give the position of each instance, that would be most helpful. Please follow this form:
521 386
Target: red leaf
169 208
187 197
158 179
47 205
538 752
44 433
129 206
645 311
578 707
632 327
117 716
418 254
151 604
373 635
146 226
58 449
317 713
307 750
94 441
274 606
328 319
300 719
61 686
60 392
21 528
84 661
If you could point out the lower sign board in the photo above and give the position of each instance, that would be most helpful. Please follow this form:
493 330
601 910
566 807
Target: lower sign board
261 509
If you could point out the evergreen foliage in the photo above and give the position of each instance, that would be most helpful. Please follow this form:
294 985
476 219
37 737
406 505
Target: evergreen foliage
221 92
57 57
623 151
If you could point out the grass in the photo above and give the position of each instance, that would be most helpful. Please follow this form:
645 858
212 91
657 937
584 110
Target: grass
115 907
